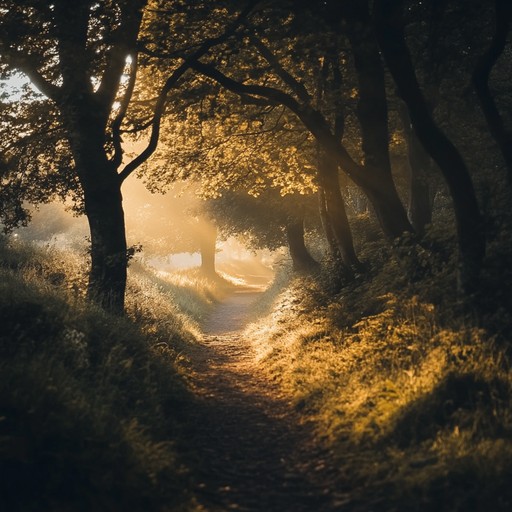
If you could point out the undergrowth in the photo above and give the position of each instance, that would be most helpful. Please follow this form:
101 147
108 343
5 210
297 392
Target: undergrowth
408 386
193 293
90 404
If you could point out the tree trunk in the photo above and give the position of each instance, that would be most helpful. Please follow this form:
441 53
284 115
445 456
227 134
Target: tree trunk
301 259
420 165
103 207
377 186
336 212
334 252
332 207
107 279
208 246
471 238
388 207
501 135
372 112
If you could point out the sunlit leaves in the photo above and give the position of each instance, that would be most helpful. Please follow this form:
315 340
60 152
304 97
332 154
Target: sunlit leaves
234 150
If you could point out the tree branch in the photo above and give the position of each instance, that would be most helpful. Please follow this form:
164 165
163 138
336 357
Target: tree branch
176 54
312 119
116 57
172 81
28 66
116 123
297 87
258 102
247 90
27 139
141 128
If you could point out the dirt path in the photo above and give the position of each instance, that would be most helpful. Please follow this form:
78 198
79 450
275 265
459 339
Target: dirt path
255 455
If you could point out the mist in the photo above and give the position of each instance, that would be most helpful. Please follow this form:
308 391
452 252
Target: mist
167 231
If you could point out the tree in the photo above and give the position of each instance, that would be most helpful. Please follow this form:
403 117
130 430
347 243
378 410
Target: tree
384 198
481 75
261 58
247 155
470 233
81 75
267 221
372 108
329 96
76 54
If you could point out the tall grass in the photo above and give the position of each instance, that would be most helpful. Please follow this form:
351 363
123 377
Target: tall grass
192 293
90 404
410 388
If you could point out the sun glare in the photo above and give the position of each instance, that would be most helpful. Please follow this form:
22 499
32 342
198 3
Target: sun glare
12 89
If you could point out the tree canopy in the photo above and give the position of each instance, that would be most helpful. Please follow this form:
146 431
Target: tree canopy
256 97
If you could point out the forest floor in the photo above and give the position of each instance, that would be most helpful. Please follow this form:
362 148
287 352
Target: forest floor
256 454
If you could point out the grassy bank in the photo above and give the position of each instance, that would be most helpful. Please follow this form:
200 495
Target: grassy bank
408 387
90 404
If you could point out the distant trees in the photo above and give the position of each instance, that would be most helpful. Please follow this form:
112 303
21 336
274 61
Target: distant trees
272 81
174 223
277 81
267 221
471 237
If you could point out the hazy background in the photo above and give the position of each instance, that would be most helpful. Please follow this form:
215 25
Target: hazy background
167 227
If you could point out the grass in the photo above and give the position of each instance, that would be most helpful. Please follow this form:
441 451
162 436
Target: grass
90 404
409 388
192 293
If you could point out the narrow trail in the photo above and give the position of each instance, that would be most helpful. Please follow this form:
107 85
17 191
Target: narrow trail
255 454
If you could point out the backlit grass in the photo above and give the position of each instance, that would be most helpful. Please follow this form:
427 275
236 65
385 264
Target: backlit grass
90 404
408 387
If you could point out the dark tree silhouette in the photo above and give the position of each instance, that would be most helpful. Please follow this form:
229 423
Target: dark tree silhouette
81 75
481 74
471 237
76 54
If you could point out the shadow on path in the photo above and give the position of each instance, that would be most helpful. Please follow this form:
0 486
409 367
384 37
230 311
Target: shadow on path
254 453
